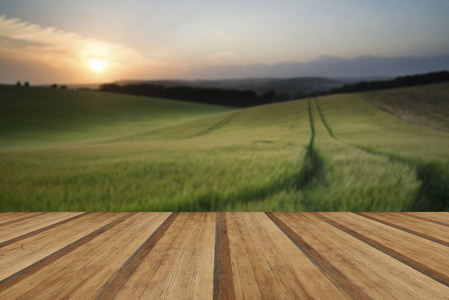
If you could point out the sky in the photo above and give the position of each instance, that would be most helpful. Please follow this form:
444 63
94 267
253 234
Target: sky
91 41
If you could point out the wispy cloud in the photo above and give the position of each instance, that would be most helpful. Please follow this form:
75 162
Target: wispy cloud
23 41
223 36
220 57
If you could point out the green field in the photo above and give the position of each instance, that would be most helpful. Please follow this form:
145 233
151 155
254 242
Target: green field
63 150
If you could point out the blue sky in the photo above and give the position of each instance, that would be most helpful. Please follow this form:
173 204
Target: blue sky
169 39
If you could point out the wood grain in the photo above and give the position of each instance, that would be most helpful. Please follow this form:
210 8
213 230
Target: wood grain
224 255
399 245
431 231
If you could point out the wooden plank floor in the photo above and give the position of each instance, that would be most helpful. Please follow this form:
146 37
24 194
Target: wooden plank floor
224 255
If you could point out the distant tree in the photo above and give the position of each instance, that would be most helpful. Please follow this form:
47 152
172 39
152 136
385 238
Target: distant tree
271 97
63 87
300 95
26 84
268 96
284 97
54 86
18 83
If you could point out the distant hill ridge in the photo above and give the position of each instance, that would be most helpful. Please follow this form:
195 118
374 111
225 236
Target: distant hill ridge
291 86
253 92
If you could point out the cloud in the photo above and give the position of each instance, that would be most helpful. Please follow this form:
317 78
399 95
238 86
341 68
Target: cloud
223 36
219 57
53 49
326 66
11 43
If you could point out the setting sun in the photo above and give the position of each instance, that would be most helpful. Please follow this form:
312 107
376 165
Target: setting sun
97 65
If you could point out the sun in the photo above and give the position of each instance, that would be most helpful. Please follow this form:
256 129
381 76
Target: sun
97 65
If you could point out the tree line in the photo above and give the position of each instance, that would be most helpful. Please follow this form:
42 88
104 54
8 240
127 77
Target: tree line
226 97
398 82
246 98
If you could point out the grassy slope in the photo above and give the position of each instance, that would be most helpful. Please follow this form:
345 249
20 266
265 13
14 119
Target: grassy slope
426 105
225 169
360 122
422 150
250 159
353 180
30 116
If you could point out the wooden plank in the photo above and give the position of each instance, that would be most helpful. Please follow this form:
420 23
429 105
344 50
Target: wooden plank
76 270
376 273
245 281
152 277
297 276
402 246
35 222
345 285
41 230
431 231
41 249
441 218
120 254
115 283
265 279
191 267
223 283
11 217
204 265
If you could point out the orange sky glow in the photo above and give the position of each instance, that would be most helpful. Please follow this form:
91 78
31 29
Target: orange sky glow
87 41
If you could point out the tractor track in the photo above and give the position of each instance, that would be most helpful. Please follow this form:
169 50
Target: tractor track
434 189
217 125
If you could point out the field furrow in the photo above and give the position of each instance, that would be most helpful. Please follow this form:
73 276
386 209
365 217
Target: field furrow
431 174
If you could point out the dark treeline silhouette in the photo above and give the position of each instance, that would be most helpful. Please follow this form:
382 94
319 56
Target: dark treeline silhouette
226 97
398 82
239 98
26 84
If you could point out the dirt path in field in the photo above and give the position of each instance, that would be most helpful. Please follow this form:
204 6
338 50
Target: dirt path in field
312 167
218 125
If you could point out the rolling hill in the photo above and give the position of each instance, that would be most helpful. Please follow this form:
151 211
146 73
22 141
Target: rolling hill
334 153
40 115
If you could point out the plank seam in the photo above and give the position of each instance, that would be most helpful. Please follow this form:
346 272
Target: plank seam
117 280
422 235
340 281
22 274
223 280
21 219
37 231
427 219
437 276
